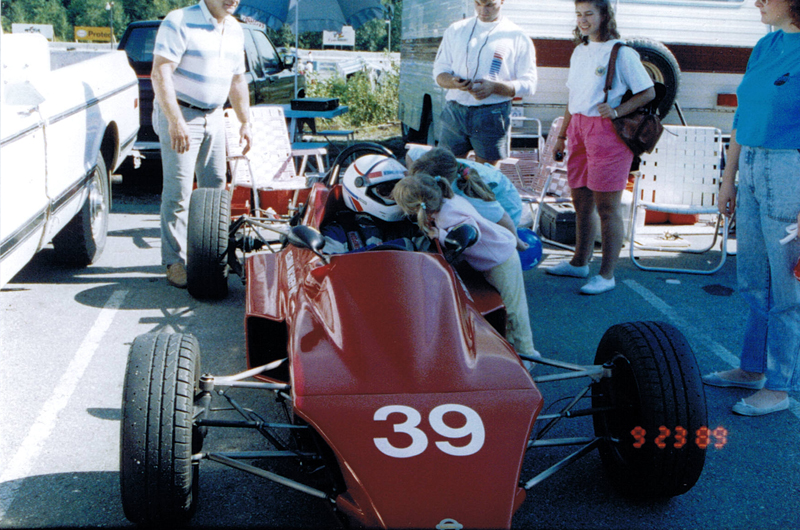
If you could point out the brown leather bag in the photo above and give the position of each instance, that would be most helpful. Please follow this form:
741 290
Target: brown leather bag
641 129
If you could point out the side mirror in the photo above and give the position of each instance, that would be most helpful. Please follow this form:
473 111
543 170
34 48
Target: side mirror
458 240
288 62
306 237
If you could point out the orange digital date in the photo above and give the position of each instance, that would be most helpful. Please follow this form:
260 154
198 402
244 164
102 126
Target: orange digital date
703 437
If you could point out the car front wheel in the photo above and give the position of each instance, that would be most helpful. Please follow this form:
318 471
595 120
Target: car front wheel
157 478
652 410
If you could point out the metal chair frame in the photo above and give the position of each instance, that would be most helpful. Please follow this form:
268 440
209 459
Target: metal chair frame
682 176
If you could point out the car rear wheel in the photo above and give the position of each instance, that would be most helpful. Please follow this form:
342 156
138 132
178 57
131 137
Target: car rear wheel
207 243
654 387
157 478
82 241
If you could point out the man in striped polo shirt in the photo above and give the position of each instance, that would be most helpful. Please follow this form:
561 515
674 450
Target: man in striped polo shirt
198 64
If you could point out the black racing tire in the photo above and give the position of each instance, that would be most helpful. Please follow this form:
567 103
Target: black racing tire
655 382
81 242
662 66
158 481
207 243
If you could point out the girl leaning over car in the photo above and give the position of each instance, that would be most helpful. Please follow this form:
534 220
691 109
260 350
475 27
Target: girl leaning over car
437 210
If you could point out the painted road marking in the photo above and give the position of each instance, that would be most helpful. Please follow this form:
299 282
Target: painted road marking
694 335
23 461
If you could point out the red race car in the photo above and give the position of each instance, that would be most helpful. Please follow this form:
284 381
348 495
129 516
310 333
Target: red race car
391 364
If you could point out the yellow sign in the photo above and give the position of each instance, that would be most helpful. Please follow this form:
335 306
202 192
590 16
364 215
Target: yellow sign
90 34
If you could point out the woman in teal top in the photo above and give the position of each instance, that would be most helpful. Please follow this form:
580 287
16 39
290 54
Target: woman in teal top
765 149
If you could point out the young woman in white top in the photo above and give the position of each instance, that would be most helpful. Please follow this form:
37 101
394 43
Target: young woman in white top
599 162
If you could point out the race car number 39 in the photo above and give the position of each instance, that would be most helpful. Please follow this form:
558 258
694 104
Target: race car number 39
473 427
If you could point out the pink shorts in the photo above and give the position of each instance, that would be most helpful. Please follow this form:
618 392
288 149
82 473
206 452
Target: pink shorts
598 159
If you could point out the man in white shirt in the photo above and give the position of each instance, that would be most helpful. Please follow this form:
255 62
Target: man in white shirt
484 62
198 64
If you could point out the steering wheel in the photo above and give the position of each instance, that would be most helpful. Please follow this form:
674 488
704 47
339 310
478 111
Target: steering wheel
350 154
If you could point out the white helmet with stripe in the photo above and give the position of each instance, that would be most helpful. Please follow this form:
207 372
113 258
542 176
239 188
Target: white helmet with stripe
368 185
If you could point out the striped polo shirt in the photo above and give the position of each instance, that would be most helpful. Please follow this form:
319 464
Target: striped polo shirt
208 53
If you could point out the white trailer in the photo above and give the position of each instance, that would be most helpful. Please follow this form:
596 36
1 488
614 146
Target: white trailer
706 45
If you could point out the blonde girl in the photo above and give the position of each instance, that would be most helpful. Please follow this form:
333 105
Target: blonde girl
496 200
437 210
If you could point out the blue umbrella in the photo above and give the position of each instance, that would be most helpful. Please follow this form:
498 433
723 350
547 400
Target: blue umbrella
312 15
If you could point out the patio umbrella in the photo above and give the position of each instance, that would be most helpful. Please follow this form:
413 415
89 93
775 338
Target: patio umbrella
312 15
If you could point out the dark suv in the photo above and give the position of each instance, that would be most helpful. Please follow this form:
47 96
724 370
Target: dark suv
269 76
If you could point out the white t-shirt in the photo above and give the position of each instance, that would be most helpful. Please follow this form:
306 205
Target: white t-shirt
495 244
587 76
497 51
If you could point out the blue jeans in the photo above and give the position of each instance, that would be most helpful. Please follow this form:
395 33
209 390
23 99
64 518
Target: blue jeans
768 200
482 128
205 158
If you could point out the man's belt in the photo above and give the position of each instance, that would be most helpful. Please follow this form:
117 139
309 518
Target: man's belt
195 107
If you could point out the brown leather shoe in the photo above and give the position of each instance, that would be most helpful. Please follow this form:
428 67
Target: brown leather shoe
176 275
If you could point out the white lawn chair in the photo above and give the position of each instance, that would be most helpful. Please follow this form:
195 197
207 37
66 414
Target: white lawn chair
682 176
270 163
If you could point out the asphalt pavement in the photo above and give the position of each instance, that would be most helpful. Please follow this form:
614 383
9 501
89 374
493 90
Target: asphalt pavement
65 336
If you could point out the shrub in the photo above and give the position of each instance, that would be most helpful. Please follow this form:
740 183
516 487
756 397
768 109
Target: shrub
372 98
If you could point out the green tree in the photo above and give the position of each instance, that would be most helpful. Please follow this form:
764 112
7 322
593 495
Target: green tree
50 12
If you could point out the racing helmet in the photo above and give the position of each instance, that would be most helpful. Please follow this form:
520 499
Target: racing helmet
368 183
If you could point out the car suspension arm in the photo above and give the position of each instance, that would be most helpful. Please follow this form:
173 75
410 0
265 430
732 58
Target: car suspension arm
562 464
247 468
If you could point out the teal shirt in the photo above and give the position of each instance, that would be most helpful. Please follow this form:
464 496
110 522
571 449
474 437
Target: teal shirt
769 95
504 191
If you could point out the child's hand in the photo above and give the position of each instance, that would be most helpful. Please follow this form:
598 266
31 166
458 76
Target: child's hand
521 245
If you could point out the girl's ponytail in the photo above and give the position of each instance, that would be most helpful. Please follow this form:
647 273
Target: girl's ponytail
442 162
471 183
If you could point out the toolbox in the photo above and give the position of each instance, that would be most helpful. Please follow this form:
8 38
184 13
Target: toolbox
315 104
557 222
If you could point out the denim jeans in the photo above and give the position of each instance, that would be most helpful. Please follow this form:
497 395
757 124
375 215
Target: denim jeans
483 128
205 158
768 200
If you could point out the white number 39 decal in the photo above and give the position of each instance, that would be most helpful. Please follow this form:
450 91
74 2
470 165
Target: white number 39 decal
419 442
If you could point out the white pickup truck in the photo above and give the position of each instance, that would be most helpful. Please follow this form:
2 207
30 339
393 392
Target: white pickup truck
67 120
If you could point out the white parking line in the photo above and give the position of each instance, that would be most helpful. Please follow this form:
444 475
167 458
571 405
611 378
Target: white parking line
22 463
694 335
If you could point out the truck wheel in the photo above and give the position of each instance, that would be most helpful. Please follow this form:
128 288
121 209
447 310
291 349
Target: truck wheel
662 67
157 478
654 386
207 243
82 240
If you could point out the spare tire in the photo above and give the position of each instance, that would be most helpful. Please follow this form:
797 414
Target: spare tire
662 67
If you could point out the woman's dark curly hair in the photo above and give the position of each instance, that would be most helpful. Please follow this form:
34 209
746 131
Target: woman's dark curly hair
608 26
794 9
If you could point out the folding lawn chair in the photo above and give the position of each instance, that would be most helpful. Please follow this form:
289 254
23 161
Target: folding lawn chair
681 176
542 181
270 163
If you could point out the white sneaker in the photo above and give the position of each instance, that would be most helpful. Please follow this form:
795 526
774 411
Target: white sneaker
566 269
598 285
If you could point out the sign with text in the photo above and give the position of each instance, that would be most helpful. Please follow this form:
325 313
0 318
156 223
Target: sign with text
346 37
45 29
92 34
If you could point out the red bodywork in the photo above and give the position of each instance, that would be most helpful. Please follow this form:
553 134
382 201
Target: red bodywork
371 338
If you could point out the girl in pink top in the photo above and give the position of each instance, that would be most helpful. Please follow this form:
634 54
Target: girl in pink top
438 210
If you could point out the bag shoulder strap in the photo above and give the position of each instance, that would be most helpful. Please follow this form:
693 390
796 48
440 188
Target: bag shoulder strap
612 67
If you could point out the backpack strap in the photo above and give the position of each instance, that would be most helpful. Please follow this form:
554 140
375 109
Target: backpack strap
612 67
